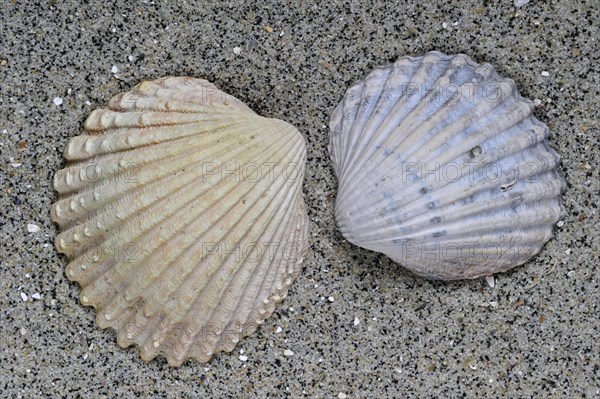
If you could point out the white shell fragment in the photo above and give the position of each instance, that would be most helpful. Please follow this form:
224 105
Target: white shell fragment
443 167
182 214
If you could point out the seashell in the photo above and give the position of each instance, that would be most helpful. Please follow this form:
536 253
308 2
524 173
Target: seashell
182 214
443 168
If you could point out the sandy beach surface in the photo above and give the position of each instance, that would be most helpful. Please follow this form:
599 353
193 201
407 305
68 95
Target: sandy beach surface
358 325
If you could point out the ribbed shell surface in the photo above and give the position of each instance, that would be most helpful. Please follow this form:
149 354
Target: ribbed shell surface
182 215
442 166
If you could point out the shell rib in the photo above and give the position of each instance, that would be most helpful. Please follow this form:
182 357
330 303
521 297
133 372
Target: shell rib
443 167
182 215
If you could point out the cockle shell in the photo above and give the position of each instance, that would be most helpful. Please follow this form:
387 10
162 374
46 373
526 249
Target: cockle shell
443 167
183 217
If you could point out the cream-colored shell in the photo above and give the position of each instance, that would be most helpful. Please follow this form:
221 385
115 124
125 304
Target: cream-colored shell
443 167
182 215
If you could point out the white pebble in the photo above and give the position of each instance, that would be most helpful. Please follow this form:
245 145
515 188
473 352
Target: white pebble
278 330
342 395
571 273
491 281
23 331
356 321
545 73
494 304
243 358
521 3
331 299
36 296
288 352
568 251
23 296
58 101
281 34
537 102
114 69
32 228
237 51
16 164
444 25
88 103
560 223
